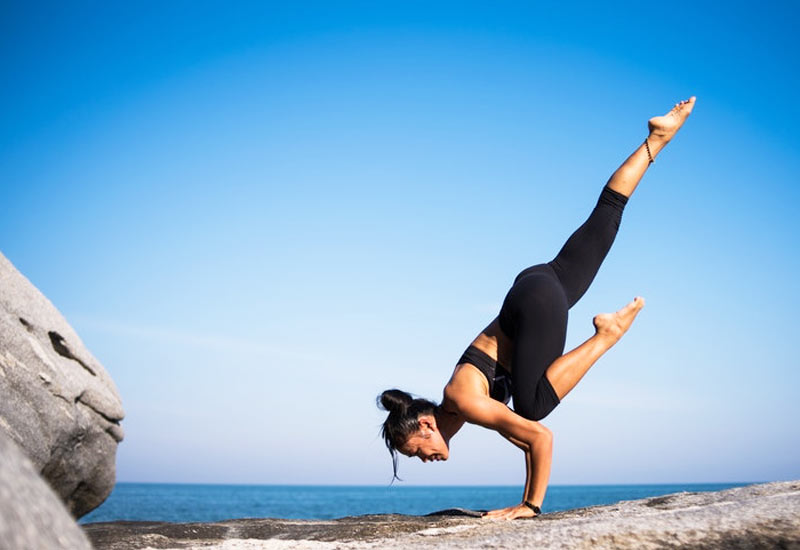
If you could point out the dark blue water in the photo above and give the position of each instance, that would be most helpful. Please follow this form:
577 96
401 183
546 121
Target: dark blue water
186 503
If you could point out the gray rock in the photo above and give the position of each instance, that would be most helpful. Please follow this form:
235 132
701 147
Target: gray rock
31 515
755 517
57 402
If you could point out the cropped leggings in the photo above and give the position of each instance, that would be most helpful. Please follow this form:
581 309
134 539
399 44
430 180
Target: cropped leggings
534 312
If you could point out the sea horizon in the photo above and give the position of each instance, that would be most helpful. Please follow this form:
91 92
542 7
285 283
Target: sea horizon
401 484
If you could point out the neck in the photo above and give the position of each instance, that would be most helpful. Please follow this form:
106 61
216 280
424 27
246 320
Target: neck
448 423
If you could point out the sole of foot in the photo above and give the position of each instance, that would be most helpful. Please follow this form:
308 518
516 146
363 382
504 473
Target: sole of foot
664 127
616 324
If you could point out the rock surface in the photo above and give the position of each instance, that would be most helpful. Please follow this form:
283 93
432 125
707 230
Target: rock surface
57 402
31 515
752 517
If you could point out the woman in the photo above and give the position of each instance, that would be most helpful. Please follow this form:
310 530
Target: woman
519 354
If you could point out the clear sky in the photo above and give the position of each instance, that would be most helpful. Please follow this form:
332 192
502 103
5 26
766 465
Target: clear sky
259 217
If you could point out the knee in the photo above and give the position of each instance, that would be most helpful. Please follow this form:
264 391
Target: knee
525 409
544 437
537 410
531 411
545 433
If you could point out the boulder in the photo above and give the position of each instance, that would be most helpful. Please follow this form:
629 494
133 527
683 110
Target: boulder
31 515
57 402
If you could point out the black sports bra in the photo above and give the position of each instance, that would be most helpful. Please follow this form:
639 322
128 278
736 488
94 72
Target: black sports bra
499 378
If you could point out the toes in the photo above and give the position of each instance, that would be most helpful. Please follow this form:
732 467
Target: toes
638 302
634 306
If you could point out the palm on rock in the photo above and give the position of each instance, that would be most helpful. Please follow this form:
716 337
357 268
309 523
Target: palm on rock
512 512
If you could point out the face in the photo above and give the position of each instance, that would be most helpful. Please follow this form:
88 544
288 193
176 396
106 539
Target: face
427 443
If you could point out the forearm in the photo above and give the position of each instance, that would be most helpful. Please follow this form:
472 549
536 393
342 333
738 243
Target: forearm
538 459
538 449
534 439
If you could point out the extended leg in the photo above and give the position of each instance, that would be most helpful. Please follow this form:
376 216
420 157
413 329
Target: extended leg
534 313
579 260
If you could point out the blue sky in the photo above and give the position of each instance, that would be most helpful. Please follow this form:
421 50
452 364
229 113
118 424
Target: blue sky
258 217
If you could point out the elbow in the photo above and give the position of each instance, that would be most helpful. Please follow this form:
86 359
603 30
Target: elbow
543 438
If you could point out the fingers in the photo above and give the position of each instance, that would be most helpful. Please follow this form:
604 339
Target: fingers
499 514
510 513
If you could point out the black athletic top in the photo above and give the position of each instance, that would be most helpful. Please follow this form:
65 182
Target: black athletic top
499 378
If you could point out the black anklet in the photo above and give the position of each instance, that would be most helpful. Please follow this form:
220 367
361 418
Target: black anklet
647 146
536 509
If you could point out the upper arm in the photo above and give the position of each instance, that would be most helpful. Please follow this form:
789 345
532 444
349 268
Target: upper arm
468 391
486 412
492 414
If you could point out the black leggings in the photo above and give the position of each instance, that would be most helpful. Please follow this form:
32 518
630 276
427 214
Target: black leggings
534 312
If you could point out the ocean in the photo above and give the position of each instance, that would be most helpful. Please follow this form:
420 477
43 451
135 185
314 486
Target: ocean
195 503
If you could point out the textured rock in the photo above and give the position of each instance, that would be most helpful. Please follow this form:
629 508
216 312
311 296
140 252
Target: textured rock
57 402
753 517
31 515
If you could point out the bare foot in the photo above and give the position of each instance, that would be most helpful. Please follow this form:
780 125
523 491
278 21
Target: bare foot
663 128
616 324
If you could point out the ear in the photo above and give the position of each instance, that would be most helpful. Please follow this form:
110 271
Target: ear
427 422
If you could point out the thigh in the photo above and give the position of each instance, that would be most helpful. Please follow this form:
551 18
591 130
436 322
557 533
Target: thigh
581 256
535 315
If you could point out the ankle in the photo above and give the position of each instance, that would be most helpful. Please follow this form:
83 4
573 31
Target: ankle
656 143
605 339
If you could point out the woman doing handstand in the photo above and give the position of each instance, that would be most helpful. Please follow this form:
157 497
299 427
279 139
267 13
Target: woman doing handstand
519 354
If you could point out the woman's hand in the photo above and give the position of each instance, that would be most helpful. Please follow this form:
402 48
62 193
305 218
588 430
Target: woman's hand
512 512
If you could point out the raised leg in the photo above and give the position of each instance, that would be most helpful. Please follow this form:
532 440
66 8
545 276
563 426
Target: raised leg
566 371
579 260
534 313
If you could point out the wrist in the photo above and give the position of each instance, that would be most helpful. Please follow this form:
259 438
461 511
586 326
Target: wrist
536 509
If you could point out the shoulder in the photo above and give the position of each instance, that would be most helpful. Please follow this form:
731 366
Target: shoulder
465 386
466 383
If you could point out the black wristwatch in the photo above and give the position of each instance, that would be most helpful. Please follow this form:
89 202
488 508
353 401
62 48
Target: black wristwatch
536 509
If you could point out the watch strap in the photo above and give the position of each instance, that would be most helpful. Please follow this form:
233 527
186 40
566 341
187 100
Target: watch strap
536 509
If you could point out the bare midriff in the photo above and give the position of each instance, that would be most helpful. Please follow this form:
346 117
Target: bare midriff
493 342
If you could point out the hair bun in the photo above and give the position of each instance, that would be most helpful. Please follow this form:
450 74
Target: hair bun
394 401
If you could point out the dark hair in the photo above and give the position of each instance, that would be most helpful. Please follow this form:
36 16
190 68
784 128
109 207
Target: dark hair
403 419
